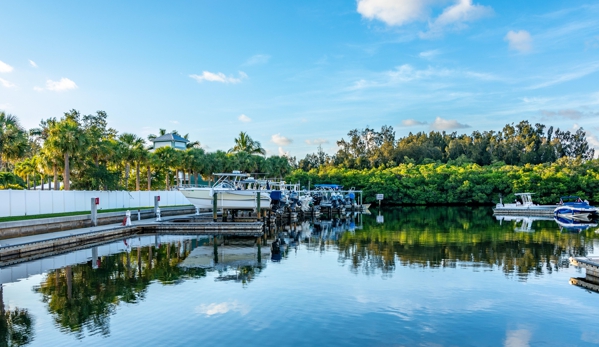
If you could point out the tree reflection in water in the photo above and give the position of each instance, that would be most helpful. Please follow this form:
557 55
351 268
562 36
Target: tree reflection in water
81 298
16 326
448 236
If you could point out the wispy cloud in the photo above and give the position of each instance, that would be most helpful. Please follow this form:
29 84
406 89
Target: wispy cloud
58 86
456 16
32 63
257 59
174 121
407 73
567 113
244 118
218 77
429 55
519 40
441 124
280 140
4 67
6 84
578 72
412 122
316 142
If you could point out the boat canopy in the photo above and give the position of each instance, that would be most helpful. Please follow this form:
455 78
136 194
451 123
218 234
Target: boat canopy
331 186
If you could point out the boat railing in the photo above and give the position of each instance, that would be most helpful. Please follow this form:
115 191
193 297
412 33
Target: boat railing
187 186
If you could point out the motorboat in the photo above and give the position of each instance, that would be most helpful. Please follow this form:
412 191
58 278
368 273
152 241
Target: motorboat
574 208
234 191
523 207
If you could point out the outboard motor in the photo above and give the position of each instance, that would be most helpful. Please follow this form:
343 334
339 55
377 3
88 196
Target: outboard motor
275 199
293 200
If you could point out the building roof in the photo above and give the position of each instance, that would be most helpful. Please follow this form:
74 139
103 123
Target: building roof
170 137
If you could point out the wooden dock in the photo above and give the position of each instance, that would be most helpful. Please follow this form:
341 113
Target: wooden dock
10 254
591 266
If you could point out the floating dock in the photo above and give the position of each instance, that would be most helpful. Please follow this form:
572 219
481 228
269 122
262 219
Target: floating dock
591 266
14 253
538 212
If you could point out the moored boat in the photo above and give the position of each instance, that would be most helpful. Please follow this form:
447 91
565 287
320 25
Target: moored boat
235 191
574 208
524 207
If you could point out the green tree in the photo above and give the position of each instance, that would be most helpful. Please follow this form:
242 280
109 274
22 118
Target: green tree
244 143
67 137
13 139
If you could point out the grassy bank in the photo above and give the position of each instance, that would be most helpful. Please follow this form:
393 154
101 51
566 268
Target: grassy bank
79 213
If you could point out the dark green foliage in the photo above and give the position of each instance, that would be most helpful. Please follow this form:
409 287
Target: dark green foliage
518 144
8 179
437 183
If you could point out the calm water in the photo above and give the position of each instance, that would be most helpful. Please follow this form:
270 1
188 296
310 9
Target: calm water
425 276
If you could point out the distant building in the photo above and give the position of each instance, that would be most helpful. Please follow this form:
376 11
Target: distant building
170 140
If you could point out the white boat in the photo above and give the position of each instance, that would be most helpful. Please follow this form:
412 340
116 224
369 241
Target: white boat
234 191
524 207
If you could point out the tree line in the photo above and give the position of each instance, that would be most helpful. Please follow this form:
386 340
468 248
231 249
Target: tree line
83 152
518 144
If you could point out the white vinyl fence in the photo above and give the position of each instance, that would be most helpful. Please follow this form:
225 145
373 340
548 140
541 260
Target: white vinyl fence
29 202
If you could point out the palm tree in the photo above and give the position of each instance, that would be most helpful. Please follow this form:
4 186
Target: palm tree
169 158
25 169
130 146
13 139
244 143
67 138
150 160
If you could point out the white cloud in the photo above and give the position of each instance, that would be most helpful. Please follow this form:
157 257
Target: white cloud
411 123
38 89
401 12
174 121
447 124
280 140
257 59
282 152
568 113
32 63
6 83
394 12
519 40
317 142
218 77
58 86
428 55
4 67
455 16
222 308
244 118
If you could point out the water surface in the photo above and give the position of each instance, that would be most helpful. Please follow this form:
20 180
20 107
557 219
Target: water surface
425 276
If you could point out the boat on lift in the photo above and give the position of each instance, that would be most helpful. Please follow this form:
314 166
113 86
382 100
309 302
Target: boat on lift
574 208
235 191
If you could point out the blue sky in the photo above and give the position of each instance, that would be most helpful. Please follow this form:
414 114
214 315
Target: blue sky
298 74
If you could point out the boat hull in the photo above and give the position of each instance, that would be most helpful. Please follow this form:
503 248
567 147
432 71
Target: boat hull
227 199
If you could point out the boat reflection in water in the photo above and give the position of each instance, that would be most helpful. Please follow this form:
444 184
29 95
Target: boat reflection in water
522 223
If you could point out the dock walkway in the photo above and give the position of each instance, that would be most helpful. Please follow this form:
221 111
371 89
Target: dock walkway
591 266
35 246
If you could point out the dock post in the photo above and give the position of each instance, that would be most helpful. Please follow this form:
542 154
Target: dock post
156 203
197 211
138 214
258 206
158 219
128 218
214 206
94 213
